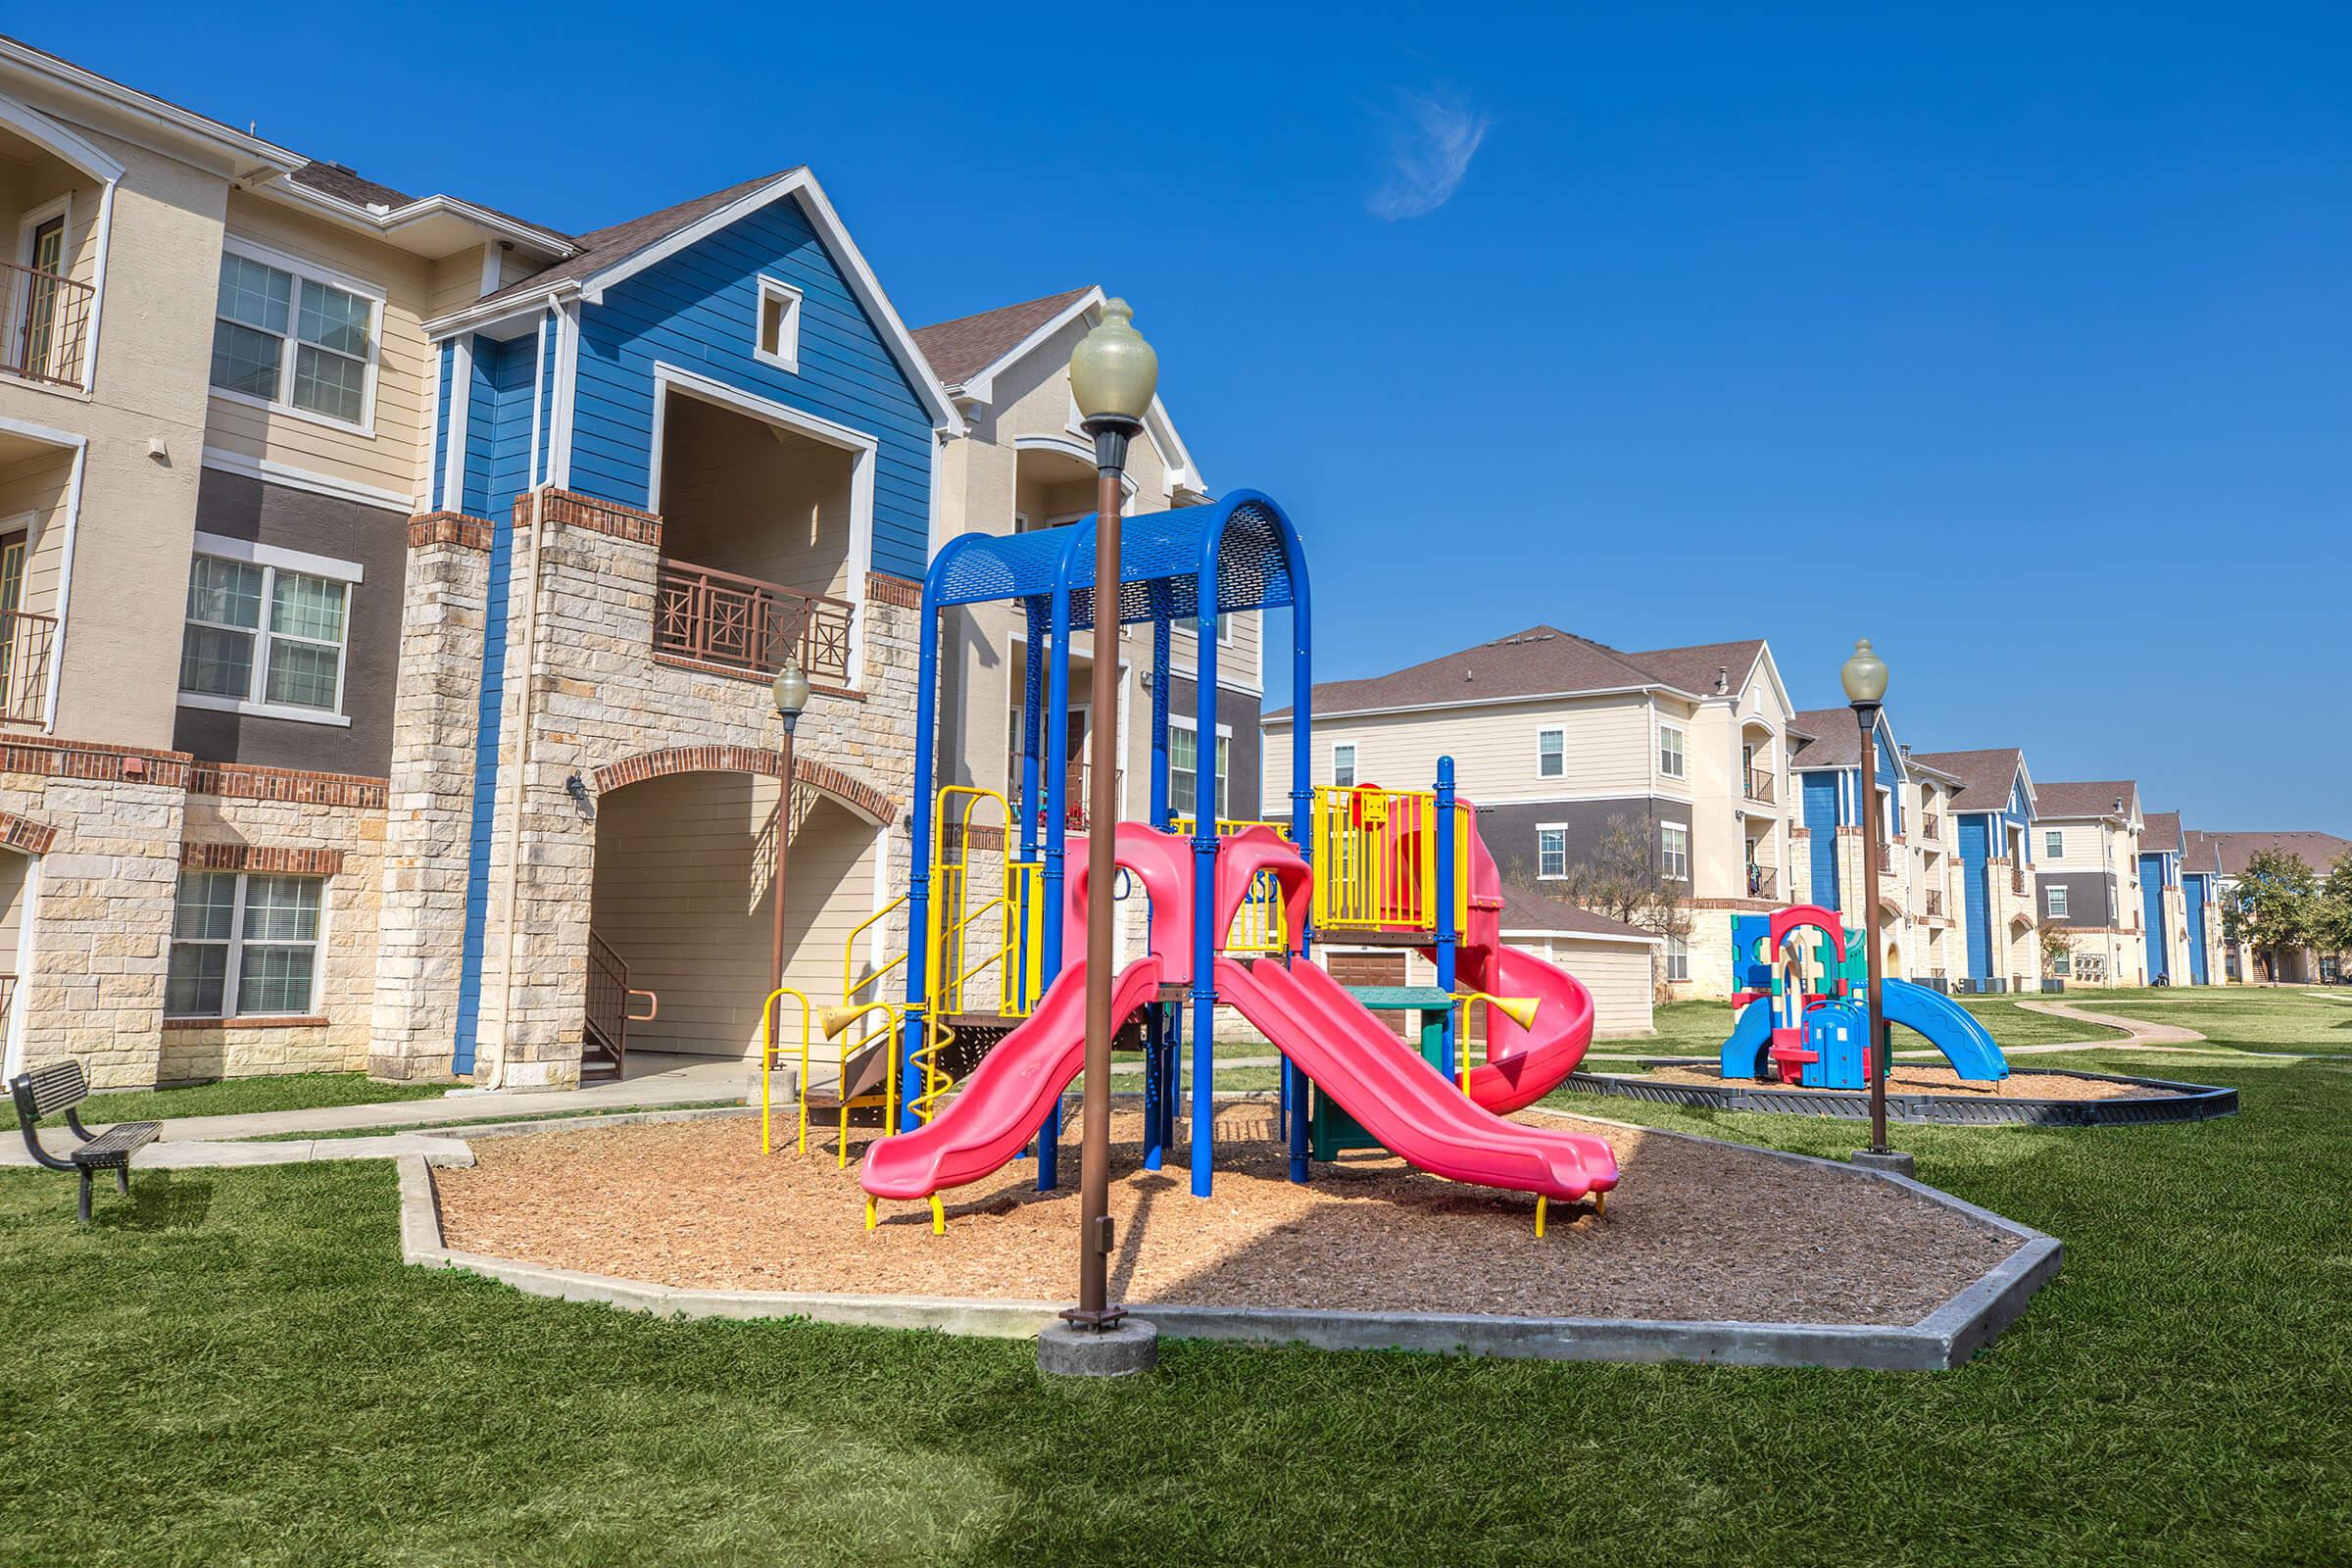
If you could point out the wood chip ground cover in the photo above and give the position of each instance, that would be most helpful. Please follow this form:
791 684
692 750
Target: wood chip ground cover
1696 1231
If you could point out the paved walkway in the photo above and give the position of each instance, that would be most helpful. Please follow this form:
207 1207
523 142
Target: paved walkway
2142 1033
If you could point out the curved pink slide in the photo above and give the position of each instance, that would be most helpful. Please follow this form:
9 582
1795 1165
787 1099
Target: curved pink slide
1358 1060
1002 1104
1523 1066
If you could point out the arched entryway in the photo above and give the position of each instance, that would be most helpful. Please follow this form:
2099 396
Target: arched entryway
682 902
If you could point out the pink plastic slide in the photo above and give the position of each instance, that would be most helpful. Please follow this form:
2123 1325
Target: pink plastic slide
1002 1104
1361 1063
1522 1066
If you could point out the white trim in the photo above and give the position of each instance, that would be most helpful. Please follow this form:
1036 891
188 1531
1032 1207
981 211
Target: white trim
36 127
1681 755
28 910
308 272
800 184
1071 449
863 448
1542 730
260 555
460 403
252 709
491 281
101 250
1648 690
786 356
981 388
1542 828
539 375
79 446
293 478
1564 934
567 378
1355 759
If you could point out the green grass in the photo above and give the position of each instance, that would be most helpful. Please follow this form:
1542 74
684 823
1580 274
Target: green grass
236 1097
2244 1019
235 1367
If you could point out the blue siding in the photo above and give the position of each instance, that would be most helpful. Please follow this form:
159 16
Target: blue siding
2152 900
441 417
497 470
1821 824
2193 891
697 310
1976 839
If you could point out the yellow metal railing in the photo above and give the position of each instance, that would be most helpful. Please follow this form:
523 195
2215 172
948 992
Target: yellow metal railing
1262 924
769 1012
851 985
1375 859
959 948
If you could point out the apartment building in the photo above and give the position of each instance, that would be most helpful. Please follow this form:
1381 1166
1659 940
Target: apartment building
1563 742
2088 876
2226 858
1992 805
2164 899
1917 870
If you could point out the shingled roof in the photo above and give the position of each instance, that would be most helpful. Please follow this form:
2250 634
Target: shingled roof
1540 661
963 348
2074 797
1526 910
601 248
2160 833
1695 668
1834 738
1986 773
2235 852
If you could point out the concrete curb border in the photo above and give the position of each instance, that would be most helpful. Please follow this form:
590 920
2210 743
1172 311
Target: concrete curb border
1946 1337
2186 1103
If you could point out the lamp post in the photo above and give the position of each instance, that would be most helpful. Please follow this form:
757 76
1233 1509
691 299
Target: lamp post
791 691
1865 679
1112 375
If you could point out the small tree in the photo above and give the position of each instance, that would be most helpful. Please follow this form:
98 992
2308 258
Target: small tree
2057 944
2332 908
2276 906
1623 879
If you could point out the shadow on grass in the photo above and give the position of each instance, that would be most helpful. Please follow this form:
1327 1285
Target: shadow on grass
162 1200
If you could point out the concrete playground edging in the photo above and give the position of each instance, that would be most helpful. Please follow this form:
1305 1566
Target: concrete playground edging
1947 1336
2183 1101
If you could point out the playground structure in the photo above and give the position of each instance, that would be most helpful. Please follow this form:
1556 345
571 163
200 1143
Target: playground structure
968 1068
1802 1017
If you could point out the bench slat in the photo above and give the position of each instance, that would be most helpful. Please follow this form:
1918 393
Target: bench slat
44 1090
114 1145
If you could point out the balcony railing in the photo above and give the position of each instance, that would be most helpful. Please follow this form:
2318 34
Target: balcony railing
1930 827
1076 801
1763 881
736 623
47 319
1759 784
2017 880
27 643
1934 902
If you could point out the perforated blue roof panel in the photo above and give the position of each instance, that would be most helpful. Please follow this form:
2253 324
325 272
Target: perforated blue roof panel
1257 553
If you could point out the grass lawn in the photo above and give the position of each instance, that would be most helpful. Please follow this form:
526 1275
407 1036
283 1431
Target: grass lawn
236 1097
275 1389
2248 1019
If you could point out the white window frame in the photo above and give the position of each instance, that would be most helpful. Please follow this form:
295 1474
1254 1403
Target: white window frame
1541 829
1337 747
236 942
1551 732
1676 958
271 558
1223 764
2053 843
306 273
2054 901
1682 752
1667 854
786 355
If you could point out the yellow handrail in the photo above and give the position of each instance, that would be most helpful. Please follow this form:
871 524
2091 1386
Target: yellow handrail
1375 859
850 987
936 1081
769 1009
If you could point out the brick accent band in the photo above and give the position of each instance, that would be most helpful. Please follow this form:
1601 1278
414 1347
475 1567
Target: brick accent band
450 528
574 510
843 785
95 762
883 588
23 833
264 857
244 781
269 1022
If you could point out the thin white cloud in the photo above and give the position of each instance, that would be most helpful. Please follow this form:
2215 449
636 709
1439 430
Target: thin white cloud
1432 138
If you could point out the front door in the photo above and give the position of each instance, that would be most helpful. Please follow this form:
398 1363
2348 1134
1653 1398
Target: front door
45 256
11 595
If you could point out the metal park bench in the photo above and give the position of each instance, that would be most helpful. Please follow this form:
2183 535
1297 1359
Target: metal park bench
45 1090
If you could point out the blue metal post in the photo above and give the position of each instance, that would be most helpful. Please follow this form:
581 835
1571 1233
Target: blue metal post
1033 681
1160 661
1058 774
1204 871
1448 935
1155 1098
1303 802
918 863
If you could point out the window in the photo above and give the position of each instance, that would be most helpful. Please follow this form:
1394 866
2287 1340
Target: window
1674 850
292 341
1678 958
1343 766
2053 844
1670 751
1184 756
779 328
1224 767
264 635
1551 752
243 945
2054 898
1552 852
2062 964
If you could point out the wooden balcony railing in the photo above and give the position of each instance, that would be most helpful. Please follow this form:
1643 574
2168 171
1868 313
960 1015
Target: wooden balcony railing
737 622
1759 786
47 319
27 643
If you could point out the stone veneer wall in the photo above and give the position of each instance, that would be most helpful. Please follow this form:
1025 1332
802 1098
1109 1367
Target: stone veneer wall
444 614
584 693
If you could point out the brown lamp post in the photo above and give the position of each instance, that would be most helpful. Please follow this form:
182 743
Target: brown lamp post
1865 679
791 691
1112 375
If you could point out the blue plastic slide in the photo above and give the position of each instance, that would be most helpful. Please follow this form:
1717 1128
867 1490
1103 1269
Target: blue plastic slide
1950 1027
1752 1037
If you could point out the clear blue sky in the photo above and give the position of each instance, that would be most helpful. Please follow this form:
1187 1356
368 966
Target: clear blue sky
2016 341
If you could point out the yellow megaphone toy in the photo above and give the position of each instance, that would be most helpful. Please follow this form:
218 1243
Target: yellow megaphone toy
1521 1010
833 1020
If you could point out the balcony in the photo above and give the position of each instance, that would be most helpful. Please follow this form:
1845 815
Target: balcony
1075 797
1930 827
27 643
1935 903
703 615
1759 786
48 323
1764 882
2017 880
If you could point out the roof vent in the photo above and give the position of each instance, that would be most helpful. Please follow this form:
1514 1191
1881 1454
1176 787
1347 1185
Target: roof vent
1469 674
1723 679
1905 749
